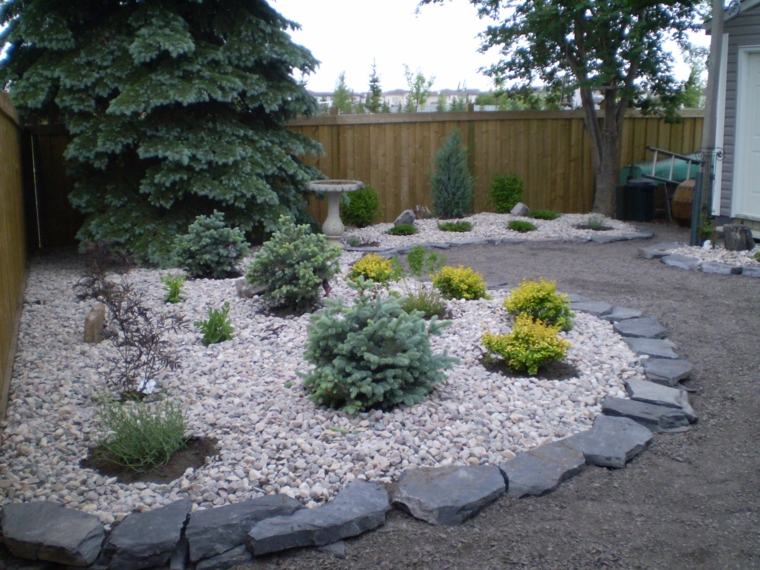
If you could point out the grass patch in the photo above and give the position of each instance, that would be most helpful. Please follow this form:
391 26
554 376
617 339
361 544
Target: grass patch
521 226
427 301
461 226
544 214
403 230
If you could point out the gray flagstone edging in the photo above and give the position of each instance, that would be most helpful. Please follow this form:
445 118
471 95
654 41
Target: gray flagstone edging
662 251
227 536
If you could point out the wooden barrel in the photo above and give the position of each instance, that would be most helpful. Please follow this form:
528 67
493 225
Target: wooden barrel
681 205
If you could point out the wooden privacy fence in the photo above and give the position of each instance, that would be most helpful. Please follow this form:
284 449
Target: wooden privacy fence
12 242
550 150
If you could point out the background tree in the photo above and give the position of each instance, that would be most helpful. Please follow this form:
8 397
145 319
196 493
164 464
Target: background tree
175 108
441 105
614 48
374 100
419 89
342 99
694 89
460 101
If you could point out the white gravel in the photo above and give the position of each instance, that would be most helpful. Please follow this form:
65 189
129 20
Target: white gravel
247 394
720 254
490 226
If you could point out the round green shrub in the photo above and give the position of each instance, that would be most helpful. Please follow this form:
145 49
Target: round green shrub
460 283
359 208
403 230
460 226
293 265
210 248
506 192
521 226
372 354
540 300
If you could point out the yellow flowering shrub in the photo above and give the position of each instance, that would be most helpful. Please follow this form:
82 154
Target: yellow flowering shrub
460 283
530 345
376 268
540 300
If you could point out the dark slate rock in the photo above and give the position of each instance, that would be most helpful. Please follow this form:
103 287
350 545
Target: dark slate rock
641 327
448 495
751 270
237 556
641 234
681 261
602 237
212 532
659 249
541 470
576 298
444 245
667 371
659 347
145 540
360 507
248 290
48 531
657 418
621 314
180 556
597 308
405 217
720 268
520 209
611 442
652 393
337 549
737 237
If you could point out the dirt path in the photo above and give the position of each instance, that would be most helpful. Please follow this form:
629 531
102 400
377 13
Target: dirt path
691 501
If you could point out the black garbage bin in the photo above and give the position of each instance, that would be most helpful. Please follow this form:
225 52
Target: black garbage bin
637 202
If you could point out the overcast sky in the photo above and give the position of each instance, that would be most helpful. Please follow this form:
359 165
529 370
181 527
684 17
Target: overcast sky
439 40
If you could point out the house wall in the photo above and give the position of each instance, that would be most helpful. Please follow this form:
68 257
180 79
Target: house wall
743 30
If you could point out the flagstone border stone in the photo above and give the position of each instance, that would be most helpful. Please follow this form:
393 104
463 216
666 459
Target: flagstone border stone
662 251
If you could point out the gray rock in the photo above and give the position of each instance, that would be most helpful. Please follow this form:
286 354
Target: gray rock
657 418
720 268
596 308
337 549
48 531
737 237
641 327
360 507
652 393
751 270
541 470
641 234
212 532
145 540
681 261
248 290
94 323
659 347
667 371
601 237
405 217
611 442
520 209
179 558
621 314
237 556
576 298
448 495
659 249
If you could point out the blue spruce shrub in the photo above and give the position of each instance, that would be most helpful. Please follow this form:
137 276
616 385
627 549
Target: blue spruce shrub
372 354
451 182
211 248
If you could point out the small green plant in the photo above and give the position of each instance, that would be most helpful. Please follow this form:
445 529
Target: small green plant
529 346
173 286
451 181
211 248
521 226
376 268
544 214
460 226
460 283
372 354
403 230
756 257
422 262
427 301
506 192
540 300
138 435
293 266
705 229
217 327
595 222
359 208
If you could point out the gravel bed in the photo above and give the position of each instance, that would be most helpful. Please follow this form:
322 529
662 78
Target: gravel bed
490 226
720 254
247 393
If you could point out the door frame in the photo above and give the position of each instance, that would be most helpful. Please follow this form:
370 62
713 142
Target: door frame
742 61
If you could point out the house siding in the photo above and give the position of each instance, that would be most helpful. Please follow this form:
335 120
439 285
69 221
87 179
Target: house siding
743 30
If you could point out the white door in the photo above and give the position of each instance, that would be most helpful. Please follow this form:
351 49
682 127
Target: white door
746 202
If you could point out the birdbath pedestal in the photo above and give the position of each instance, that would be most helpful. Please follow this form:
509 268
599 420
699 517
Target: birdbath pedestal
334 189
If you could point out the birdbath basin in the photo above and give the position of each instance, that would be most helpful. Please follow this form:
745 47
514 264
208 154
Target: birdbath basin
334 189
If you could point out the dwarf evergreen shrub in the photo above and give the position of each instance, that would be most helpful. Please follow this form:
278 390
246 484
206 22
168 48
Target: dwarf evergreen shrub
376 268
460 283
451 182
403 230
359 208
529 346
461 226
506 192
211 248
521 226
371 355
540 300
293 265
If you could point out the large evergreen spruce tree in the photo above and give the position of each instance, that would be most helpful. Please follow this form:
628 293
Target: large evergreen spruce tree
175 108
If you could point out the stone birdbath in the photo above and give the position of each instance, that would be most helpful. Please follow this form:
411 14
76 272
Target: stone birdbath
334 189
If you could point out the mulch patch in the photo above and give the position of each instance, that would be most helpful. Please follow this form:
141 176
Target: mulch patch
552 371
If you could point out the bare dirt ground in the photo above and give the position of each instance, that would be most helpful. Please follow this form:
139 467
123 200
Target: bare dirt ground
691 501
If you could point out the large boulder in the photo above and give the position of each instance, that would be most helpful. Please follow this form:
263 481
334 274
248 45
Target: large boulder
405 217
49 531
94 324
520 209
737 237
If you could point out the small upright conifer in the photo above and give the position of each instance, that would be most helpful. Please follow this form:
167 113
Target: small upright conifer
452 183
